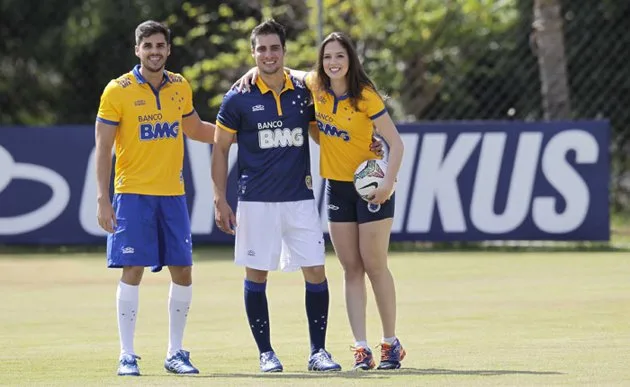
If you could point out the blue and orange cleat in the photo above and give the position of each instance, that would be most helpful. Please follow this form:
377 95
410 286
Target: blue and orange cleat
269 362
391 355
322 361
128 365
180 364
363 359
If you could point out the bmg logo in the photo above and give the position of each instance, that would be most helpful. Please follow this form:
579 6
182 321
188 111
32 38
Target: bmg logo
280 138
333 131
159 130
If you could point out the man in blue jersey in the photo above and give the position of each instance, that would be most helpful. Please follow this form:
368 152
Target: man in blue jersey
277 225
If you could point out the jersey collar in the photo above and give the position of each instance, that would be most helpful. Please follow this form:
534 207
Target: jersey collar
288 84
340 98
140 79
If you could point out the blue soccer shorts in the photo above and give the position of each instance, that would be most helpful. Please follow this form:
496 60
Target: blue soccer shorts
345 204
151 231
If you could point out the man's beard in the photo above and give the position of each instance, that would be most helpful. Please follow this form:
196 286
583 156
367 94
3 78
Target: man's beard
270 72
147 65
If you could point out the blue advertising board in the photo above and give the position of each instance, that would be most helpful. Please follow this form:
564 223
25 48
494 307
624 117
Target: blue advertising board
460 181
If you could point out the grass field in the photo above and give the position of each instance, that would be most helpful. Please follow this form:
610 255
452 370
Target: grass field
466 319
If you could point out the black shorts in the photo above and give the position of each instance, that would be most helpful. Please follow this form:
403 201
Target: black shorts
345 205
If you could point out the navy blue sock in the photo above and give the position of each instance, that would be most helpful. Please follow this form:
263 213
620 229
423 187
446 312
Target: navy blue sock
317 300
258 314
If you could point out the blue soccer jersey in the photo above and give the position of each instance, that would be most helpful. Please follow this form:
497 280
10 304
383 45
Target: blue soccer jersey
272 138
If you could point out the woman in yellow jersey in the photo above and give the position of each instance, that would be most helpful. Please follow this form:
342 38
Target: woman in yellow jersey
349 110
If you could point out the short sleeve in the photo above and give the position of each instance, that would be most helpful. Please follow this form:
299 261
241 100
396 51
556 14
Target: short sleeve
110 108
228 117
311 113
189 108
373 104
309 81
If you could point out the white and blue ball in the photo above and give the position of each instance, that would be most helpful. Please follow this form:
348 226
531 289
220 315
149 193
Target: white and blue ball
369 176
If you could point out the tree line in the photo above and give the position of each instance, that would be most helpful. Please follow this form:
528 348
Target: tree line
434 59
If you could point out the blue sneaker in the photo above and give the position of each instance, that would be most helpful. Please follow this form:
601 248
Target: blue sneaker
322 361
269 362
363 359
391 356
128 365
180 363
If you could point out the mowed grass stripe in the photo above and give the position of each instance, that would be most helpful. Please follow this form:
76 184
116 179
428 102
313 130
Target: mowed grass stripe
466 319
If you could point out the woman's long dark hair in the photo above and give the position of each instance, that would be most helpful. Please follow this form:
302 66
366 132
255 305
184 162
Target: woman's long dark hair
356 77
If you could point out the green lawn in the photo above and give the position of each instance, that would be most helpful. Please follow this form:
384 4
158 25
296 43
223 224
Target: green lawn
466 319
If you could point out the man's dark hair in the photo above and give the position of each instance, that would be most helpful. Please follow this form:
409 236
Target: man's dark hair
269 27
149 28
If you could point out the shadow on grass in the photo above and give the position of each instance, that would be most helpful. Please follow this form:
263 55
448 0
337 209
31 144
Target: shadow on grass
50 249
510 246
225 251
200 252
375 374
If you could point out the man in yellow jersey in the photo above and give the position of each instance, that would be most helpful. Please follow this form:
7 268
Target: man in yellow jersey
143 113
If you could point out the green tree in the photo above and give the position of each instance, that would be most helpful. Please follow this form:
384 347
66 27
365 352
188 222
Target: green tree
213 47
98 40
596 39
421 54
548 37
28 76
57 56
424 54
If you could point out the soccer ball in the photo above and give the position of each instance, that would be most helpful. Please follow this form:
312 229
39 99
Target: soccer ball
369 176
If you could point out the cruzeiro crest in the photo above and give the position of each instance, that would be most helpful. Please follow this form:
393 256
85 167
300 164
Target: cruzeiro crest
373 208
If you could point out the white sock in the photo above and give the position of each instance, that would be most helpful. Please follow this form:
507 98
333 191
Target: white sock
178 305
361 344
127 309
389 340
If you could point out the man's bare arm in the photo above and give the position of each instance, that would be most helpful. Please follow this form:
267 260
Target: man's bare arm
197 129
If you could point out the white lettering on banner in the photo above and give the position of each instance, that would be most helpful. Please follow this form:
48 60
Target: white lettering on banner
202 211
436 180
318 183
42 216
519 197
405 181
87 208
563 177
431 191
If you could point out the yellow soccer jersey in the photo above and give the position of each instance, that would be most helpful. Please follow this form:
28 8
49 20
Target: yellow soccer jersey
149 140
345 134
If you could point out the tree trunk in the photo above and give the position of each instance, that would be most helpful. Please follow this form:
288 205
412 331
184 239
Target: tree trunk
549 42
